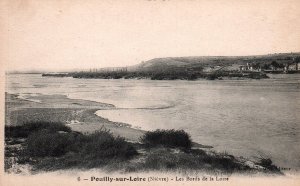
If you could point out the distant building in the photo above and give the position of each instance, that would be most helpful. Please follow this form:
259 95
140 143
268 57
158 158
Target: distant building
249 67
294 66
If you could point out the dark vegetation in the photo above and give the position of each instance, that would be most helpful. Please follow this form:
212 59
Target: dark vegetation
24 130
191 160
268 164
47 143
167 138
170 75
51 146
172 150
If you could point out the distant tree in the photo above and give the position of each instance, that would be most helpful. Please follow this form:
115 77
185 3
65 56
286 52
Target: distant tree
297 60
266 66
256 65
288 58
276 64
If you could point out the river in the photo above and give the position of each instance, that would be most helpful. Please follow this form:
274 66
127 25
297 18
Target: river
250 118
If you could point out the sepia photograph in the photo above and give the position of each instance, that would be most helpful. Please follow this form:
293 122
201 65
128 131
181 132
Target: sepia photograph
143 92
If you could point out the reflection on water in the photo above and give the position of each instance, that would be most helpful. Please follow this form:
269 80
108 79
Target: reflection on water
245 117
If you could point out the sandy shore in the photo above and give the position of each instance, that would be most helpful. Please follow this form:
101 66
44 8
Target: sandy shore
78 114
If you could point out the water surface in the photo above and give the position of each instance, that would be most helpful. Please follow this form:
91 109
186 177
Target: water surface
251 118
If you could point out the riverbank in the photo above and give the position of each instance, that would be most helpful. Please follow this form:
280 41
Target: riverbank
76 113
80 116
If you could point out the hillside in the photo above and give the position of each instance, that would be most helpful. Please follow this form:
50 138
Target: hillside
162 64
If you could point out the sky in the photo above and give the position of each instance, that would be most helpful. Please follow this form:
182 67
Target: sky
57 35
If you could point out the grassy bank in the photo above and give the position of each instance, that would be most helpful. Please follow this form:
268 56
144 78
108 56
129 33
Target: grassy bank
47 146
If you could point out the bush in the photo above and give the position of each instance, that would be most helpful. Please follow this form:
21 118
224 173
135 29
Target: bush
169 138
25 130
98 145
102 144
268 164
48 143
212 76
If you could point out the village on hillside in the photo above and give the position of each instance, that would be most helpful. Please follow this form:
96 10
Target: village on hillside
192 68
273 67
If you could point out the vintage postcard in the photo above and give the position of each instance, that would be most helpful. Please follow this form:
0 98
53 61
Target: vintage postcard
144 92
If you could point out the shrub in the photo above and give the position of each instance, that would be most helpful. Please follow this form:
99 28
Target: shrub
48 143
268 164
15 131
98 145
26 129
257 75
169 138
212 76
102 144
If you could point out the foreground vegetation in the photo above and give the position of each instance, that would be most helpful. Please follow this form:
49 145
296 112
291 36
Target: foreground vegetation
52 146
48 143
